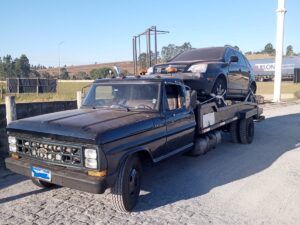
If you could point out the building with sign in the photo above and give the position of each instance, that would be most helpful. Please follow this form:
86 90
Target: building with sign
264 69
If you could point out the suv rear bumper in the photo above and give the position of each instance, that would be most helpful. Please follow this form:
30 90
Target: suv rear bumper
60 175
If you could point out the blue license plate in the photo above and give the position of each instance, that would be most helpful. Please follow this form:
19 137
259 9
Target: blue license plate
41 173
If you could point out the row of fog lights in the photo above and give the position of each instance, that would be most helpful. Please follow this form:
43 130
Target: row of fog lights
89 154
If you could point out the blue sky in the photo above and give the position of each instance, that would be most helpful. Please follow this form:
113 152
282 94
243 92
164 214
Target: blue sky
101 31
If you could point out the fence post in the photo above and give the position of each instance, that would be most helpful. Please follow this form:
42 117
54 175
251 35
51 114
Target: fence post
37 86
11 112
79 99
18 86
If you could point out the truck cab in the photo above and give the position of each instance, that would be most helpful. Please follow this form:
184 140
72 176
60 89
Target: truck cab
122 122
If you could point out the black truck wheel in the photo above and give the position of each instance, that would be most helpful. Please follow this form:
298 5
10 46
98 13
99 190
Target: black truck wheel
41 183
246 130
126 191
234 131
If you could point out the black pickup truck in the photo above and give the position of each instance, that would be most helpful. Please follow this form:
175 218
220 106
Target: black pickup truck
122 123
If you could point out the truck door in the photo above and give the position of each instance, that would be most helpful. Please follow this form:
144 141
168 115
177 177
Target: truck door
180 121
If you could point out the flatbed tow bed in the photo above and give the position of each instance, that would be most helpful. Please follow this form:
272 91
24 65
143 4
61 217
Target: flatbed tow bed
237 118
105 143
211 117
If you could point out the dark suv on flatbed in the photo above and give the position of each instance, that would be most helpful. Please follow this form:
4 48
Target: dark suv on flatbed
214 70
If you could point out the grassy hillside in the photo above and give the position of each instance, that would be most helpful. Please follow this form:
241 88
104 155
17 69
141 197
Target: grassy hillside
73 70
66 91
259 56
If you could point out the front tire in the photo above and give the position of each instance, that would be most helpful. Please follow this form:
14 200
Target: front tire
252 96
220 89
126 191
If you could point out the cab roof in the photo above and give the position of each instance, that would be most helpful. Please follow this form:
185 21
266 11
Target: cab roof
150 78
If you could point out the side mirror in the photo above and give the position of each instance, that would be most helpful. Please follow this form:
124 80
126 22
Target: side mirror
234 58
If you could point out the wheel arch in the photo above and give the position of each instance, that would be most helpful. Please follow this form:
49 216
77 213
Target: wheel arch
143 153
253 82
220 76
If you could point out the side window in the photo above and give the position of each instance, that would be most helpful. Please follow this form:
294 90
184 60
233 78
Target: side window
241 59
247 62
175 97
228 54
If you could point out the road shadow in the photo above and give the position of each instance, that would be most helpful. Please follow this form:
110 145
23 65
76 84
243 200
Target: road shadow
9 178
23 195
183 177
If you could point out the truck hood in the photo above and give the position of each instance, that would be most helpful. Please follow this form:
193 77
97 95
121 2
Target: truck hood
95 126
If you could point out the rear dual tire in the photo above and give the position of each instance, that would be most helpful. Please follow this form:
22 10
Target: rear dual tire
242 131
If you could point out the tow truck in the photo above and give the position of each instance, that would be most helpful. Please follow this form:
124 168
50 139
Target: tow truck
123 123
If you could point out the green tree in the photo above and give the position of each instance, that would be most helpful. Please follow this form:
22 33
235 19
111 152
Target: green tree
269 49
81 76
289 50
168 52
8 66
100 73
2 72
64 74
22 66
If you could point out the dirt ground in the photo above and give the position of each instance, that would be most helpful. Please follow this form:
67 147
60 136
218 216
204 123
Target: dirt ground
232 184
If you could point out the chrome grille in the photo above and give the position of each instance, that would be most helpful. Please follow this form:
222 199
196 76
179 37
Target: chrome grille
59 153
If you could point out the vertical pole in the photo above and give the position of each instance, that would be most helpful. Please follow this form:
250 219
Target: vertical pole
140 62
155 44
11 113
279 50
133 54
37 86
79 99
149 47
18 86
1 91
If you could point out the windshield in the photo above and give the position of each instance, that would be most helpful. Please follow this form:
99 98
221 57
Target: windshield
200 54
129 96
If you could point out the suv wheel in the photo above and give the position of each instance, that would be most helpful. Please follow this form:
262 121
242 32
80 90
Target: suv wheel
220 88
252 98
126 191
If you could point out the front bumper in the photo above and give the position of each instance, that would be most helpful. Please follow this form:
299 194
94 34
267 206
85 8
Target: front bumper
201 85
75 179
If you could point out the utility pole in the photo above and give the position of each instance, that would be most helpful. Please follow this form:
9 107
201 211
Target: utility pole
279 50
